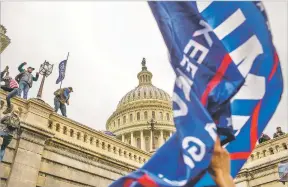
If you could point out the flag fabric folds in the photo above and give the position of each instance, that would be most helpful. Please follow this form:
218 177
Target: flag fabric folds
228 82
62 70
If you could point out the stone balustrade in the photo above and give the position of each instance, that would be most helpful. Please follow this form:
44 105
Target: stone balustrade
57 151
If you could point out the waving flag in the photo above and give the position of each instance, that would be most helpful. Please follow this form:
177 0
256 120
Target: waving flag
62 70
228 73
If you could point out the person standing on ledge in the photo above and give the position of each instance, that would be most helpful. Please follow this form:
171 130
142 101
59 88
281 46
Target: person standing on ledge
13 88
10 125
25 79
62 96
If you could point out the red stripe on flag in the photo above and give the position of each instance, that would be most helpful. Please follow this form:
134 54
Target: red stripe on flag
146 181
128 182
217 78
275 65
239 155
254 126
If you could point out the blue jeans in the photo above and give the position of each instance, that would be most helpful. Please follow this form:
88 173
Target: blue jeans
58 105
23 87
7 138
12 94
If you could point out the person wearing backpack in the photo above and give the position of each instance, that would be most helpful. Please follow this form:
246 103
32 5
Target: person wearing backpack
62 96
10 125
25 79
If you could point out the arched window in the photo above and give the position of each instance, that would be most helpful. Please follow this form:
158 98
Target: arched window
124 119
71 132
131 117
138 116
138 141
147 144
153 114
145 115
64 130
118 122
167 117
161 116
114 124
85 137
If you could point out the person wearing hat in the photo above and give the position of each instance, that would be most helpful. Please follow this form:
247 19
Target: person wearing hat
25 79
62 96
10 126
13 87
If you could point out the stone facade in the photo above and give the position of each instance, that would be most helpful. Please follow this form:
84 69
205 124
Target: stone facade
55 151
4 40
261 169
130 120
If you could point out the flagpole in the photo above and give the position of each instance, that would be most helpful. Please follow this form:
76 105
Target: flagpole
65 69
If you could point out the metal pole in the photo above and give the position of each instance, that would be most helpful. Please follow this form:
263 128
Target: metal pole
39 95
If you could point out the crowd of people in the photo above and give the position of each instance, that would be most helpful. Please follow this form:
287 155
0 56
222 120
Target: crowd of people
10 123
265 137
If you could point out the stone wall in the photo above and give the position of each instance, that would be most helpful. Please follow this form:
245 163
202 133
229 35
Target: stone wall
261 169
55 151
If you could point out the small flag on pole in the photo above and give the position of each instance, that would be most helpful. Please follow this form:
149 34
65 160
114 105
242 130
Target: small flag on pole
62 69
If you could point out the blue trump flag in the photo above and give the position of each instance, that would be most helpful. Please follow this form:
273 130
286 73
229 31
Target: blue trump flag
62 70
228 83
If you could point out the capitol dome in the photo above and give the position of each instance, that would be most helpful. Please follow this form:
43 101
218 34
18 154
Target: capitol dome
143 113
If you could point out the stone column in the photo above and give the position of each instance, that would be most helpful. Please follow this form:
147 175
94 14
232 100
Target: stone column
27 161
161 141
151 146
132 139
142 140
122 136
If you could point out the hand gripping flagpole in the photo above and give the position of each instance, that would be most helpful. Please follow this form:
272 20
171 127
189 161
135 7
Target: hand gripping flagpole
65 69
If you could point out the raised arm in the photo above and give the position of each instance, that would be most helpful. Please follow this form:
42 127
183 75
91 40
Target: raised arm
36 78
220 166
20 68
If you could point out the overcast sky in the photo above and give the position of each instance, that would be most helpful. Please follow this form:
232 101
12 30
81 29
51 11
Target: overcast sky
106 41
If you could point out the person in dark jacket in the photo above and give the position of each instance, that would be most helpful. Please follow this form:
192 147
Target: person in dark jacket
264 138
25 79
13 89
10 126
278 132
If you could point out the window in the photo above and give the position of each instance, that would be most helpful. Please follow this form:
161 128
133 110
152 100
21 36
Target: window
147 144
114 124
168 117
145 115
124 119
138 141
118 122
153 114
131 117
161 116
138 116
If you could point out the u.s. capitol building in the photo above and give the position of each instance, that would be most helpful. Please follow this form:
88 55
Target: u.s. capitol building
54 151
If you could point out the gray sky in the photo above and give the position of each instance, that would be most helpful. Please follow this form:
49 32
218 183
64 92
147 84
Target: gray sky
106 41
